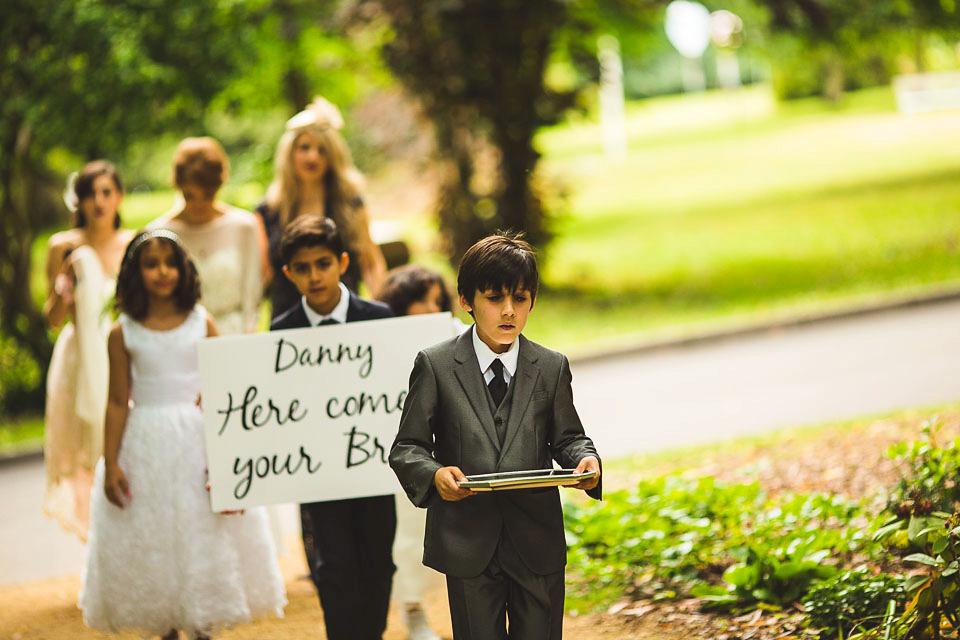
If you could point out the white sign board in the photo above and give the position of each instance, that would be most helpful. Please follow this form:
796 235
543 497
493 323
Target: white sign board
305 415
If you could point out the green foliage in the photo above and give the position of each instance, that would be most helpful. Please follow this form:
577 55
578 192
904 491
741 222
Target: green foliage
92 75
89 77
826 46
478 69
21 435
852 599
928 480
934 595
674 536
19 379
919 523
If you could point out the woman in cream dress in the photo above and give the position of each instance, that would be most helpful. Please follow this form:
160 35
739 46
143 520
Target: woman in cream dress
81 267
227 244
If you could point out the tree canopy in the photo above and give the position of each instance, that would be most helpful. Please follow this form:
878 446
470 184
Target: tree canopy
478 68
87 77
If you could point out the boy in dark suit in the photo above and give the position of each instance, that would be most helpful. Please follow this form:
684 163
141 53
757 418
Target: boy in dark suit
348 543
488 401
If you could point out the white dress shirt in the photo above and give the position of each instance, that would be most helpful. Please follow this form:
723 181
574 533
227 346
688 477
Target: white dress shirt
339 312
485 356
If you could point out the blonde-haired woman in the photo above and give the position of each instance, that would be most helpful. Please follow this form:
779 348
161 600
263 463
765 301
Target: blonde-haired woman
225 242
314 175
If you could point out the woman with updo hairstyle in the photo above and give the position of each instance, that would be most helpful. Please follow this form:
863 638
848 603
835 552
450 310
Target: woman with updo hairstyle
226 243
82 265
314 175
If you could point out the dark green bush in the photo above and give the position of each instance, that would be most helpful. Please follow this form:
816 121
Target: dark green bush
21 380
929 475
732 545
857 598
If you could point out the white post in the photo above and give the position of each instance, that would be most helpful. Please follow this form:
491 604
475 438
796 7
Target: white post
613 123
688 29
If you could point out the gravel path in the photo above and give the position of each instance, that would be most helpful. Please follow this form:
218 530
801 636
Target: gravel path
47 610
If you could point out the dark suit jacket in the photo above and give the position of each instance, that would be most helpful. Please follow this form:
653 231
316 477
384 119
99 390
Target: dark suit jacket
447 421
359 309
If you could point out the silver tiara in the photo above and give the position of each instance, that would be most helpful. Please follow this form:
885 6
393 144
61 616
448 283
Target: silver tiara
153 234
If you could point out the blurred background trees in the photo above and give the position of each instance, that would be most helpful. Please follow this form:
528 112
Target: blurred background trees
88 78
125 79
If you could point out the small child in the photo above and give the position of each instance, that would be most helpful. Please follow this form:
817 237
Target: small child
412 290
159 560
348 543
490 401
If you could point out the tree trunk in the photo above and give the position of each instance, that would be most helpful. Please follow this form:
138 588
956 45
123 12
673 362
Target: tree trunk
20 319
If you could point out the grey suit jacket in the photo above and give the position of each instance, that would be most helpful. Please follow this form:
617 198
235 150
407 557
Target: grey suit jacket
447 421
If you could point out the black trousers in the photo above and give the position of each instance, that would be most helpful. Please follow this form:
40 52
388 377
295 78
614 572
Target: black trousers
349 548
480 607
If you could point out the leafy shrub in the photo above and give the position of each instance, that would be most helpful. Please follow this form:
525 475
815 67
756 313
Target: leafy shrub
918 522
852 599
934 595
929 482
20 380
676 536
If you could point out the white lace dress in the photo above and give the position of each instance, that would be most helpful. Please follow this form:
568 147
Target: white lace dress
165 561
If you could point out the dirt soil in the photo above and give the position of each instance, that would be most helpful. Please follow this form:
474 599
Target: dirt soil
851 461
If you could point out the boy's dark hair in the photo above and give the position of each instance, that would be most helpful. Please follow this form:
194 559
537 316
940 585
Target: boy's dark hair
501 261
310 231
131 296
405 285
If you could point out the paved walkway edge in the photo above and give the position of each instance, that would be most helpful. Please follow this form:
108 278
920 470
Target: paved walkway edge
643 345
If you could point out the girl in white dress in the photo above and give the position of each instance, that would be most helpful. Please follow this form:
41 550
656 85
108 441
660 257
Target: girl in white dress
82 263
158 558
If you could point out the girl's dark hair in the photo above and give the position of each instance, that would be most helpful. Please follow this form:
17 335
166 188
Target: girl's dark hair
83 187
408 284
131 297
500 261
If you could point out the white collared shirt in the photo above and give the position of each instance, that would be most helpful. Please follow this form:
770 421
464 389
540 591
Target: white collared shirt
485 356
339 312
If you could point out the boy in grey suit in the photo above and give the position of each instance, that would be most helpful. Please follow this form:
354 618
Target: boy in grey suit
489 401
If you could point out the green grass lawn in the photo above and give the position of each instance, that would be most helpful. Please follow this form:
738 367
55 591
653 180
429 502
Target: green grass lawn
727 207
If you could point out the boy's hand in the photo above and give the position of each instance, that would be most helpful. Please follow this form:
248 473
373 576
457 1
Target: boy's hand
446 480
588 464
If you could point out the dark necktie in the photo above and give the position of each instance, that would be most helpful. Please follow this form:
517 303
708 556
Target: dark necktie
497 385
327 321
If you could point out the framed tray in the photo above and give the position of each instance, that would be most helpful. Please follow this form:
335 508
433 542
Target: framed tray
525 479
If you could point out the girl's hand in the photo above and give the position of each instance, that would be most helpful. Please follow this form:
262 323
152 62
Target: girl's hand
66 280
115 486
225 512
